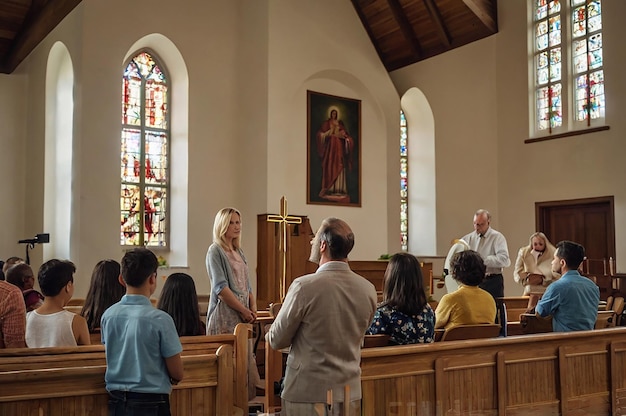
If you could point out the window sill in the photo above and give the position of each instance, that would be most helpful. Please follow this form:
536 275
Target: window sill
567 134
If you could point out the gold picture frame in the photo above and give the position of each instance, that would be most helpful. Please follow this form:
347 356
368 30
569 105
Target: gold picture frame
333 150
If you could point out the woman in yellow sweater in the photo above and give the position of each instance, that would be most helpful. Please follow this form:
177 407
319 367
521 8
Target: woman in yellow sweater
470 304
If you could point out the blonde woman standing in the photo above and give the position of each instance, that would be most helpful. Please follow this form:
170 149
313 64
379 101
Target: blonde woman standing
533 268
231 301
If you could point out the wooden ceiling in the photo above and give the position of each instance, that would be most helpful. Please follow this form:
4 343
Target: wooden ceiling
408 31
25 23
402 31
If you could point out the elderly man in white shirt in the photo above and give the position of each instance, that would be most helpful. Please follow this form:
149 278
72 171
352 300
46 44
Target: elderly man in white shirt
491 245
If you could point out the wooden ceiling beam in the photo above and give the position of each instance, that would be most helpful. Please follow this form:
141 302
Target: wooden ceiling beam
41 21
485 11
433 11
405 27
357 7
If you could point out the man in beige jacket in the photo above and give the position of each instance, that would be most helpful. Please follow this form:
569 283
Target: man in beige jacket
323 319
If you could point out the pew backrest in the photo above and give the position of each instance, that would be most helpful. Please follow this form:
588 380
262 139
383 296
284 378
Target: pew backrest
515 306
240 340
535 324
74 388
94 355
574 373
605 319
378 340
471 332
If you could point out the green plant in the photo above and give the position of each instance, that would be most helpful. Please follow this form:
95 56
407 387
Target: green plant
162 261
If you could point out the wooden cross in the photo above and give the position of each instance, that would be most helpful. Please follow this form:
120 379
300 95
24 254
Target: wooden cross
283 220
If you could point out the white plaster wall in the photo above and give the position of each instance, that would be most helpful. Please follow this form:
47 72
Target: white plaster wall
584 166
322 46
205 34
462 99
14 163
251 172
479 97
249 65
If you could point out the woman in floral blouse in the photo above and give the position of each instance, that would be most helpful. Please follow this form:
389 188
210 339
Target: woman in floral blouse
404 314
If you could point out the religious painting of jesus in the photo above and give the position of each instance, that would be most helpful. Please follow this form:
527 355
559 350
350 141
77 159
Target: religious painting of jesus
333 150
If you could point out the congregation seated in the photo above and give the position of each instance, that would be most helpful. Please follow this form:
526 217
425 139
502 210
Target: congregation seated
404 314
469 304
180 300
104 290
21 275
50 325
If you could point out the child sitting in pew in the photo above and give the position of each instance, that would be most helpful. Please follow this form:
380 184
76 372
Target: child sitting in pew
105 290
50 325
180 300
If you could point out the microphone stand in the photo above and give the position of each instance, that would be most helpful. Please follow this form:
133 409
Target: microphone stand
30 244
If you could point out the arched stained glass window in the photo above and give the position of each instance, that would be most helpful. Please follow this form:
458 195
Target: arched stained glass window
404 183
568 31
144 153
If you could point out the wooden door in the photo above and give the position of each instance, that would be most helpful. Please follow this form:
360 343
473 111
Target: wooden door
590 222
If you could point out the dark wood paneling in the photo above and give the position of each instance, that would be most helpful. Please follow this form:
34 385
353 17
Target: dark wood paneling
590 222
269 261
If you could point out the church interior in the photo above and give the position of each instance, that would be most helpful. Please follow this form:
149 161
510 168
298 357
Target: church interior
243 77
240 72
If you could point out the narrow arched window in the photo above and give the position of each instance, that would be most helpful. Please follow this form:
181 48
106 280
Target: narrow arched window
404 183
144 153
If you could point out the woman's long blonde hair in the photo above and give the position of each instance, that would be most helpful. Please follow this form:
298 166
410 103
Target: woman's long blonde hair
549 246
220 226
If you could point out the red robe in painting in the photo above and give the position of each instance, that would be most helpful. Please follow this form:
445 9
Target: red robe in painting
334 147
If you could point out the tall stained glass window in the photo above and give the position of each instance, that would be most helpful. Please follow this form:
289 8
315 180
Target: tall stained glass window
404 184
144 153
587 60
567 31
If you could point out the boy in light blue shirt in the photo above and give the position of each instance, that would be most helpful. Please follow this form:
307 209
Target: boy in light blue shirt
141 343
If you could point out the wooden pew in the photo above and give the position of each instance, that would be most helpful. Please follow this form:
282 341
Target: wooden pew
571 373
515 306
49 358
239 340
71 387
75 305
203 306
194 345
